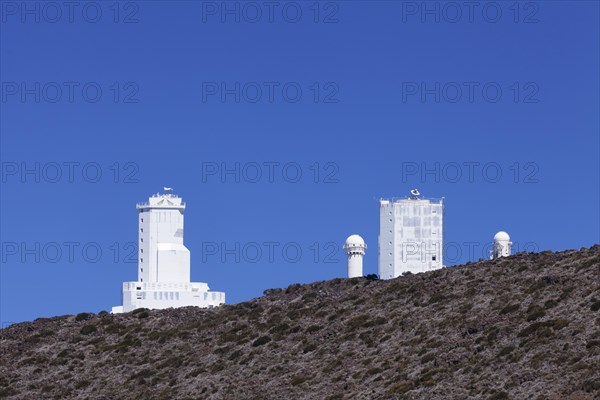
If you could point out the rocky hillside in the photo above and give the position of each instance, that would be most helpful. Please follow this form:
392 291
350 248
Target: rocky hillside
523 327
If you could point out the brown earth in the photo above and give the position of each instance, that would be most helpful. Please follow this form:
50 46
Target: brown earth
522 327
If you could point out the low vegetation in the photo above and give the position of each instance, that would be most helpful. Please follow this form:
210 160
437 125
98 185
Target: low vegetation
523 327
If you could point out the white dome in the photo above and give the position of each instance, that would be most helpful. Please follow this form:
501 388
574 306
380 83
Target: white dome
355 240
501 237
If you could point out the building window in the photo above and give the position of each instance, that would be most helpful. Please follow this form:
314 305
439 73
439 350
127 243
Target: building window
142 250
141 229
433 258
141 259
141 239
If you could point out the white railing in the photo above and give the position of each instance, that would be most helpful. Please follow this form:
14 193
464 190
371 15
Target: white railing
433 200
147 205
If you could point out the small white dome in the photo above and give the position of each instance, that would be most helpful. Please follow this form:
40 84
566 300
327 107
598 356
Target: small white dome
355 240
501 237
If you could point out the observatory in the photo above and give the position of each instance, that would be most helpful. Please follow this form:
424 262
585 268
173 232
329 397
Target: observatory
410 235
355 250
502 246
163 261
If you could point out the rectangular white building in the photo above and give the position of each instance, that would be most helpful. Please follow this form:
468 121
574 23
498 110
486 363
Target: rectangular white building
164 262
410 235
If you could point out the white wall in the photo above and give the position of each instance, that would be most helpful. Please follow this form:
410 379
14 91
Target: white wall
501 248
157 227
410 236
173 261
166 295
170 298
355 265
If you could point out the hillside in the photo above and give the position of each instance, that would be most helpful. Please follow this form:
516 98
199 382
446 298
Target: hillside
523 327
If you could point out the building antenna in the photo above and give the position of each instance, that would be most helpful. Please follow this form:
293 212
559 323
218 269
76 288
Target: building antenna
415 194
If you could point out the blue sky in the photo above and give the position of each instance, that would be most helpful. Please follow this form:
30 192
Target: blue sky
494 108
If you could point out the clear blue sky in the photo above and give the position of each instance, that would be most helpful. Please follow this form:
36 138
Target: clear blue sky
517 89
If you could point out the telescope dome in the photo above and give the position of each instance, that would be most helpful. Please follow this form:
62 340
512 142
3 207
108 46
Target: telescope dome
355 240
501 237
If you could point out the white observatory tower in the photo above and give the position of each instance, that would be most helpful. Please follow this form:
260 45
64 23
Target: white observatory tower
502 246
355 250
410 235
163 261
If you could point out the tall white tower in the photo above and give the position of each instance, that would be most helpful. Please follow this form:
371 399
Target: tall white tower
164 262
355 250
162 255
410 235
502 246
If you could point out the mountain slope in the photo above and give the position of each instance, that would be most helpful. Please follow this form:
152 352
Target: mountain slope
522 327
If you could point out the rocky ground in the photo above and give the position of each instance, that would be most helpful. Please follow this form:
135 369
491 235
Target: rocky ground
523 327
